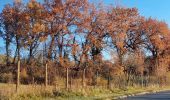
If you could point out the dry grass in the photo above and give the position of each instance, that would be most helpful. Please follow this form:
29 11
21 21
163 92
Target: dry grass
8 91
38 92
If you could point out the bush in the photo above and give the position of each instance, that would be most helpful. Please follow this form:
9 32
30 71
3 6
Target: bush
6 77
67 93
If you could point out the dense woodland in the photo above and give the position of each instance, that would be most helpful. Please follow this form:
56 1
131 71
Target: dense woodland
69 40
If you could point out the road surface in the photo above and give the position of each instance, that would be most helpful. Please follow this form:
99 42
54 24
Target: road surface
165 95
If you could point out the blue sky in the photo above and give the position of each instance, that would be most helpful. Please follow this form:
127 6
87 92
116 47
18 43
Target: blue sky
159 9
156 8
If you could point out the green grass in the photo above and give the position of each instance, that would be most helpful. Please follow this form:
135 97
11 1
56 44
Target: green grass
38 92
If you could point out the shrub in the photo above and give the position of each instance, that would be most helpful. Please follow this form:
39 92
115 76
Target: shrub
6 77
67 93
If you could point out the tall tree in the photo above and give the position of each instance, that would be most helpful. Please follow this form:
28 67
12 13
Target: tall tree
121 20
34 23
6 31
18 30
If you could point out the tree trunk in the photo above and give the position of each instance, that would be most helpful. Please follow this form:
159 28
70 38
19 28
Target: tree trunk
51 47
7 51
97 74
108 81
18 69
15 56
46 75
30 55
83 78
66 78
142 81
18 76
71 79
60 46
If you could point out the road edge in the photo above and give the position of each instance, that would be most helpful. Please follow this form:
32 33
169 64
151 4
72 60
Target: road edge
138 94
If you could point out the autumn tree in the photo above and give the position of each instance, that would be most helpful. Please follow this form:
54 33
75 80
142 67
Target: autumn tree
62 18
70 38
121 21
90 27
156 33
6 29
18 30
34 15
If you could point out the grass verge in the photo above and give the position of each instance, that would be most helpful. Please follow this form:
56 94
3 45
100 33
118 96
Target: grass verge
38 92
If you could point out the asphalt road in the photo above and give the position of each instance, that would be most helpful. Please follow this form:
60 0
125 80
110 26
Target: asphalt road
155 96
